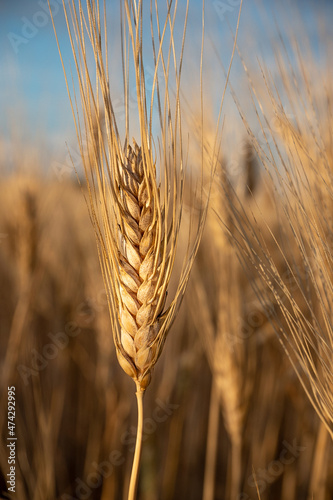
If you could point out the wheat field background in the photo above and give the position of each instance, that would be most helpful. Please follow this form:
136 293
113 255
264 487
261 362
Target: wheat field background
240 406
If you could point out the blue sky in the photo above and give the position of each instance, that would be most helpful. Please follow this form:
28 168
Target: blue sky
32 86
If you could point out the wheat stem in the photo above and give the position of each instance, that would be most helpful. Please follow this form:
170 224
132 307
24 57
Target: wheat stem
236 467
137 454
212 441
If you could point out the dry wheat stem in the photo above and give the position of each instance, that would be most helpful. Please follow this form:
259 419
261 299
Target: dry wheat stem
138 445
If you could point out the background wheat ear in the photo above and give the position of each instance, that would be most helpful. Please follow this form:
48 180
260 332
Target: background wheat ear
293 257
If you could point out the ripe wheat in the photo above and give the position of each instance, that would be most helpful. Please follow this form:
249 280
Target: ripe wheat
141 295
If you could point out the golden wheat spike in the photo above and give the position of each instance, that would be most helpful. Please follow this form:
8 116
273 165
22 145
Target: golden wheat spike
138 284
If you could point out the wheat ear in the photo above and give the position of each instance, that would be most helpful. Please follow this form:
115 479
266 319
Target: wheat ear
140 290
298 169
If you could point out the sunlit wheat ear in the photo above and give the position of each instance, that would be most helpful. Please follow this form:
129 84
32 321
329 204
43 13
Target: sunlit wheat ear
139 283
137 223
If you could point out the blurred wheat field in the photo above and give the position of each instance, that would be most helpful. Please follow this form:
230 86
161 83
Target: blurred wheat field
56 350
240 404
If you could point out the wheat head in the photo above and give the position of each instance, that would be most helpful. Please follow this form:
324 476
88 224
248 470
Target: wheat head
140 292
293 256
136 209
135 195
